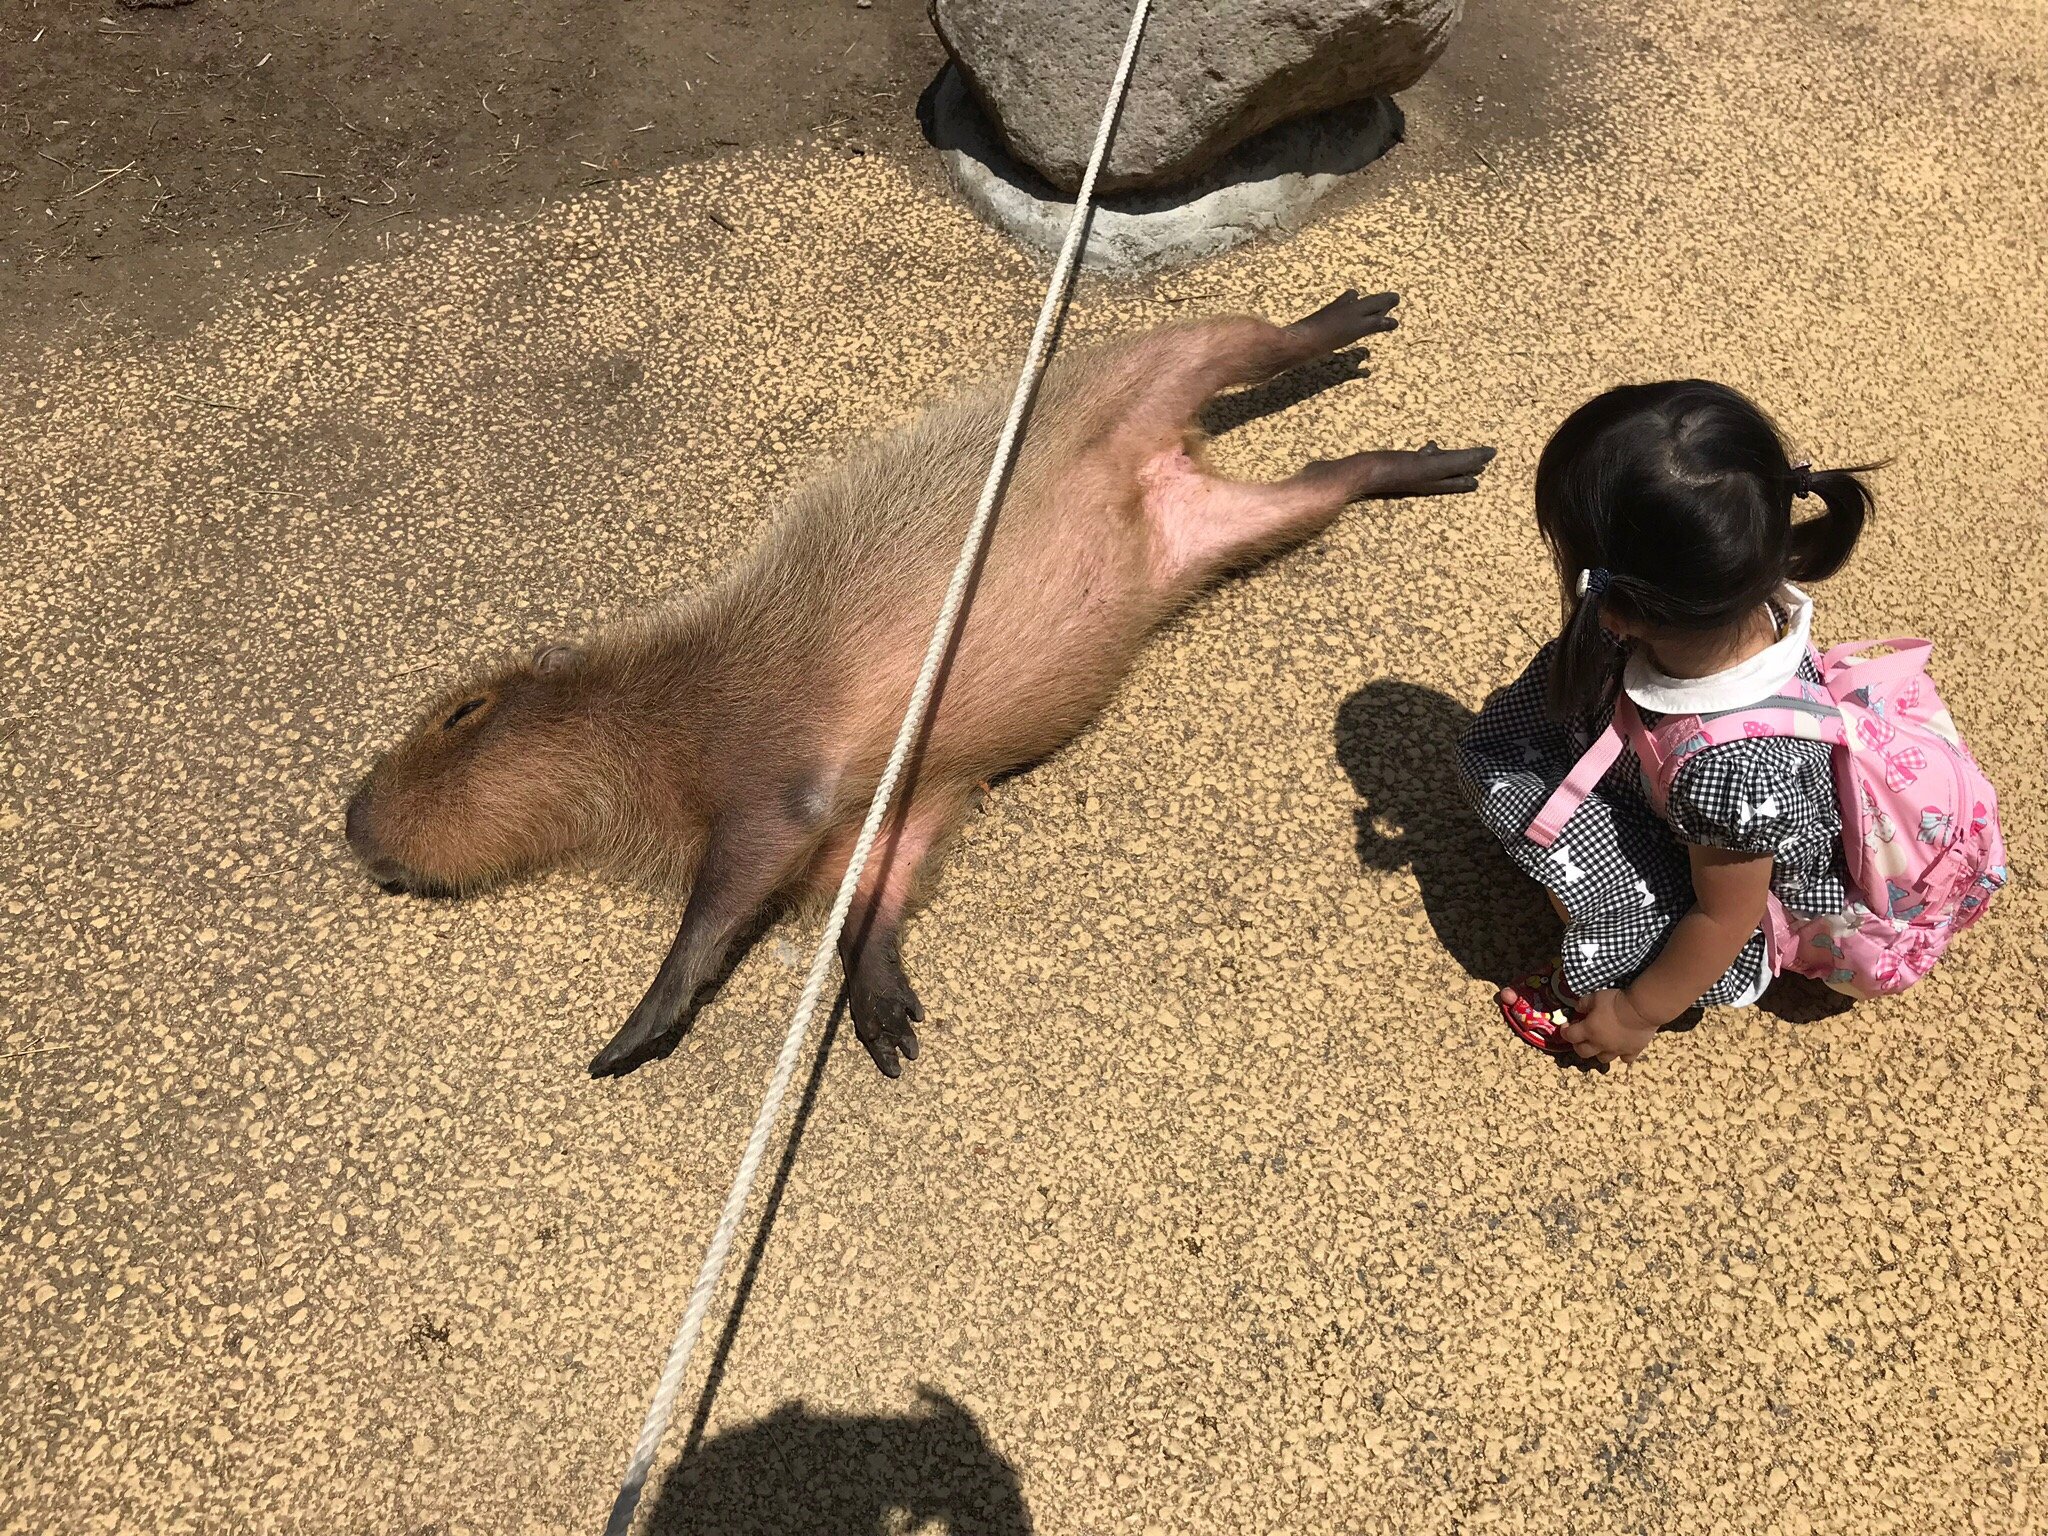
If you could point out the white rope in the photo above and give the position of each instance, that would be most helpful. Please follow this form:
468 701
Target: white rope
685 1342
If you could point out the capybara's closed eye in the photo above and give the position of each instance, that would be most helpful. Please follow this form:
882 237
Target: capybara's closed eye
463 711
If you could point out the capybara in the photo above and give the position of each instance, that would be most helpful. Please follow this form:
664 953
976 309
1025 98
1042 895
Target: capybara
727 742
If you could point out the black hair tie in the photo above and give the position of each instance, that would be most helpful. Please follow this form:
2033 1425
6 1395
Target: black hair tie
1593 583
1802 479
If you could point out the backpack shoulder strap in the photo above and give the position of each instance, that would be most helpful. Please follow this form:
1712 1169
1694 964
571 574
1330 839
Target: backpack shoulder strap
1674 743
1841 669
1571 794
1790 715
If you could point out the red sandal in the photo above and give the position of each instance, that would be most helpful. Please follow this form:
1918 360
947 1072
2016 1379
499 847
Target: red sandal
1539 1012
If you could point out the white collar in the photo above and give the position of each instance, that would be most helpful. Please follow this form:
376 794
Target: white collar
1763 676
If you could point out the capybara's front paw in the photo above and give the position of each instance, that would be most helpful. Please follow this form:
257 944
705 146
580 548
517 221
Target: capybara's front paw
884 1008
642 1039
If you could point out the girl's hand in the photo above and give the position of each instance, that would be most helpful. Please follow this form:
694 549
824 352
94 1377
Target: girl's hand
1609 1027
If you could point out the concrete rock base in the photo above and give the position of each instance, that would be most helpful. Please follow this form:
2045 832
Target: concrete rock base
1266 186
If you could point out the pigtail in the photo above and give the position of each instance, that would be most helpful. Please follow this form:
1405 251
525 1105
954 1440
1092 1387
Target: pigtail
1819 546
1585 669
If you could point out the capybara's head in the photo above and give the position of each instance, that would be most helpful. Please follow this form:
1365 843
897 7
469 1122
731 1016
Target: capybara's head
494 781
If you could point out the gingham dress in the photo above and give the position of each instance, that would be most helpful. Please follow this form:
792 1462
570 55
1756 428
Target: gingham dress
1623 872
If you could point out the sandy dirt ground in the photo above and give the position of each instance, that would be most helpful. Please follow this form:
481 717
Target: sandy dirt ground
132 127
1220 1201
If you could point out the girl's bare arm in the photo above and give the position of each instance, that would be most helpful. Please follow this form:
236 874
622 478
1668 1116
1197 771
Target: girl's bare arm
1729 894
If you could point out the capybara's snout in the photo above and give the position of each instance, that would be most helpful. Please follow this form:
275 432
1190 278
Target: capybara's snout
359 825
356 824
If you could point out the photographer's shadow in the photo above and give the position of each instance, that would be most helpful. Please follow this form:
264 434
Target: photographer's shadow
1398 742
802 1473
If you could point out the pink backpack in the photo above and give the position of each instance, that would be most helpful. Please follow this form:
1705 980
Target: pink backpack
1919 819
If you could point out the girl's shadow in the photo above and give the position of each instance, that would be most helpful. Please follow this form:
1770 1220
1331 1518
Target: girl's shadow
1398 742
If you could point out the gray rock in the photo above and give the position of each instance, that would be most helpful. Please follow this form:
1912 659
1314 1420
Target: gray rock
1265 186
1210 74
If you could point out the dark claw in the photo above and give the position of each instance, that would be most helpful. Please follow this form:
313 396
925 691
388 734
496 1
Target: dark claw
640 1040
1463 461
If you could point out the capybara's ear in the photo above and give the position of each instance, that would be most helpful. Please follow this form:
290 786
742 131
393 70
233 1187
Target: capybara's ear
553 658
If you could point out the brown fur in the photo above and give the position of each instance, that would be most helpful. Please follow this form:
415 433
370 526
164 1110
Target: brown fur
729 741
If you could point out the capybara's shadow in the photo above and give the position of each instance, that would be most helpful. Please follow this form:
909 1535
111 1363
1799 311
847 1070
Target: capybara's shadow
1398 742
1226 413
798 1472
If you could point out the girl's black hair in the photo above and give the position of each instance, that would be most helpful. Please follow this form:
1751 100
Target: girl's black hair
1682 493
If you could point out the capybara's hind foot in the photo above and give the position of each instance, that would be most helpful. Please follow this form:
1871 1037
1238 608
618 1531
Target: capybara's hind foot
1430 471
1346 318
884 1008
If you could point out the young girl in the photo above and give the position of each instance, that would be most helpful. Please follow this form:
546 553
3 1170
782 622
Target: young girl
1668 508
